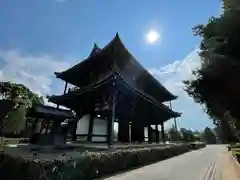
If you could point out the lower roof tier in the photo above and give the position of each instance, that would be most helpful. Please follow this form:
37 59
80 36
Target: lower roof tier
43 111
129 100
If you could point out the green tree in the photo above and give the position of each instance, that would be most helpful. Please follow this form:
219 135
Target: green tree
23 99
224 133
187 135
208 136
174 134
166 136
232 3
15 121
216 82
197 136
13 91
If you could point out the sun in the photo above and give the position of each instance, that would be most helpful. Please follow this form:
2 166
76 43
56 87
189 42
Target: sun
152 36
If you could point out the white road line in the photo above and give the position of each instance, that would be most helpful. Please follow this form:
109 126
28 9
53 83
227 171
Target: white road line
211 170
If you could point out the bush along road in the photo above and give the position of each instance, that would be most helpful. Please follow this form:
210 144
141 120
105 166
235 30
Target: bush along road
88 165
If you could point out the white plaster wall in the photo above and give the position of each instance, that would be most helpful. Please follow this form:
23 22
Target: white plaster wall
82 125
99 127
145 132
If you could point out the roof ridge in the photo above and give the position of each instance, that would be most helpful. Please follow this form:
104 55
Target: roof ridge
89 57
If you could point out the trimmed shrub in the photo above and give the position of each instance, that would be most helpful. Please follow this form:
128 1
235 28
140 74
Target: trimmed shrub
88 165
233 146
197 145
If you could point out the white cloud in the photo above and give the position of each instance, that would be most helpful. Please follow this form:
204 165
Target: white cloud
36 72
171 76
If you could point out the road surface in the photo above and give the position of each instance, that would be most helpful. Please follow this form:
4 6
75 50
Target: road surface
196 165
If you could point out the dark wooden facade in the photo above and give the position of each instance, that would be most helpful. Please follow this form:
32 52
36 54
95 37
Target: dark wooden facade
112 83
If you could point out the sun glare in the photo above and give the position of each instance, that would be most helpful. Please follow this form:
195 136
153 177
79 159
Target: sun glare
152 36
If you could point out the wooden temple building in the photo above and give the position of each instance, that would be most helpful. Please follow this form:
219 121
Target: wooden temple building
49 125
111 86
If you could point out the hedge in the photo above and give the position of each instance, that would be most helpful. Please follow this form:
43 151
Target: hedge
237 145
196 145
88 165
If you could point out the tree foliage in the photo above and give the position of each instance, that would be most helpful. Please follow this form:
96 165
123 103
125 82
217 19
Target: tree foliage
14 120
187 135
13 91
216 84
208 136
174 134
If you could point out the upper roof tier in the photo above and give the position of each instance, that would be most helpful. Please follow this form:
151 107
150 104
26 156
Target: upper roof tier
114 56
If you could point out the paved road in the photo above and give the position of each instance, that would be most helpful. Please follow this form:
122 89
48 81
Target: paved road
196 165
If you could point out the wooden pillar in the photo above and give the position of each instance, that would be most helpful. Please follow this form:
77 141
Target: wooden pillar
57 126
157 133
90 127
42 126
79 115
134 131
149 134
46 131
139 124
74 135
111 120
140 132
34 125
123 130
162 131
65 88
120 127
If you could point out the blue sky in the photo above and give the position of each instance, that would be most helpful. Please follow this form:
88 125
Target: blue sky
38 37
